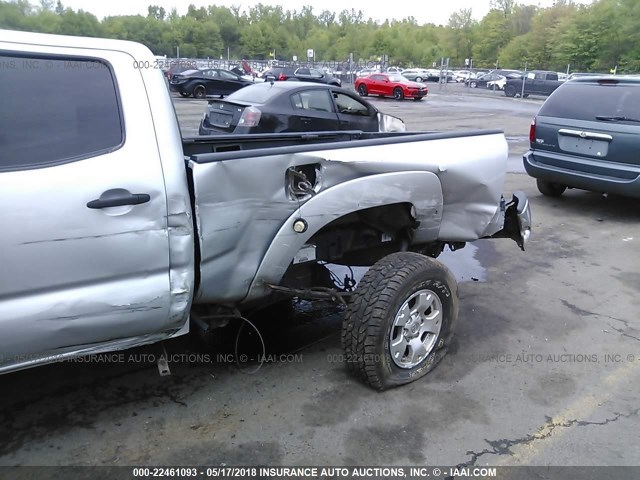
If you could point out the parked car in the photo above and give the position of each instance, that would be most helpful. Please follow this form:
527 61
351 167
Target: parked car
482 80
463 75
493 76
112 241
277 107
416 74
497 84
390 85
536 82
587 135
209 81
174 67
303 74
367 71
393 70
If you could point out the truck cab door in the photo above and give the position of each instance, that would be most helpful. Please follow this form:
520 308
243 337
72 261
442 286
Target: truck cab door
84 249
551 83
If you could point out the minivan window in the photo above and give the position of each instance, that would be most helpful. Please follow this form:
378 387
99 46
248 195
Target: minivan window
55 110
586 101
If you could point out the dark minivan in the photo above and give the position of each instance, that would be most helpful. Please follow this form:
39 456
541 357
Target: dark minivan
587 136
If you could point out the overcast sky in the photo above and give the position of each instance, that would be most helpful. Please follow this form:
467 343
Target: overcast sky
424 11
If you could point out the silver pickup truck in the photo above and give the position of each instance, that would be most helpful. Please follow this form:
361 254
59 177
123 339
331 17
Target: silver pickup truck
116 232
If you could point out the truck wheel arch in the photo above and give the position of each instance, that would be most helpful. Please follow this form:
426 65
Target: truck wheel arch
420 189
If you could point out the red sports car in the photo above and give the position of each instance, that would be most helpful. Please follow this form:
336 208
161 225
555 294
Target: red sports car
390 85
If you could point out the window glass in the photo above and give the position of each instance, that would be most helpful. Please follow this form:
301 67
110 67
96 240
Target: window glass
259 93
56 110
227 75
349 105
585 101
315 100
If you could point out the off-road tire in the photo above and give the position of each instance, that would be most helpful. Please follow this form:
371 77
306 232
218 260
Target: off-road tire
370 316
550 189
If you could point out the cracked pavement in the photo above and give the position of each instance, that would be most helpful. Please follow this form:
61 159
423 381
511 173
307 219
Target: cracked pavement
544 369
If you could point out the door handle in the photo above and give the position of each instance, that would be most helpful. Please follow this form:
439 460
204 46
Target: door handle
127 199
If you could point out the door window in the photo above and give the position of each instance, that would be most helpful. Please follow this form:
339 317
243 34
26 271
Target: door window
313 100
56 110
349 105
227 75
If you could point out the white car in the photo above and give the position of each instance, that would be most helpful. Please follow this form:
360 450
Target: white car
462 75
499 83
365 72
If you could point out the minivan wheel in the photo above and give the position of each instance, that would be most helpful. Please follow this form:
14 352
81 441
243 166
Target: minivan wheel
400 320
550 189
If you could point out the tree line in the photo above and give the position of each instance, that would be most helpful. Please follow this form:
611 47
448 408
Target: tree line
596 37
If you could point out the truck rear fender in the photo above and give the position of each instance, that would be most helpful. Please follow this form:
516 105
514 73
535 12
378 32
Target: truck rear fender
418 188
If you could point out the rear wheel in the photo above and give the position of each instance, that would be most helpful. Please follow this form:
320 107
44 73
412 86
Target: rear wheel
400 320
473 84
510 91
199 91
362 90
550 189
398 94
418 79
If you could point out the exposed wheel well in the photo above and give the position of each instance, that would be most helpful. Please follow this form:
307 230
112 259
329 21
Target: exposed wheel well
360 238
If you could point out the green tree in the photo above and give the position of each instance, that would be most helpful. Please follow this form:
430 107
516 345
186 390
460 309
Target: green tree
493 34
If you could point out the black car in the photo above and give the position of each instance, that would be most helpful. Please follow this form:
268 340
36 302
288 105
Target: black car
278 107
174 67
302 74
482 80
209 81
587 136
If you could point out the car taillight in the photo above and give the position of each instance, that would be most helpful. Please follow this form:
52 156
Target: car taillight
282 76
250 117
532 131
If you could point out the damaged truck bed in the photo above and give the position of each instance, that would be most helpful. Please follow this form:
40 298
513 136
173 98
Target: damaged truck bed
144 236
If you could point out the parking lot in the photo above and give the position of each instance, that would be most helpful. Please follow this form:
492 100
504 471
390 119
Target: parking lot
544 371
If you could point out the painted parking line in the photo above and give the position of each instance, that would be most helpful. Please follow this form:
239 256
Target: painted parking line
548 434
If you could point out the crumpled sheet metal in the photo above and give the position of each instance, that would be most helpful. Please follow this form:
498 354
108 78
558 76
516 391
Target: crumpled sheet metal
243 209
